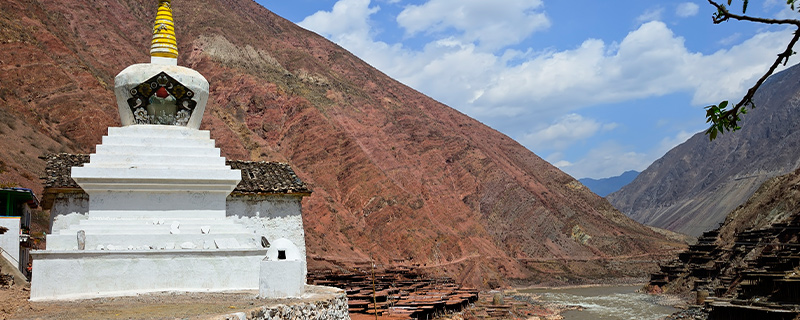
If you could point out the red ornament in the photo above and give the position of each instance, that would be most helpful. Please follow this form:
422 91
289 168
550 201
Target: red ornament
162 93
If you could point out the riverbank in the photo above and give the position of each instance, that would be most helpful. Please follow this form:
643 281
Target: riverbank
692 313
680 301
612 282
621 302
616 300
496 305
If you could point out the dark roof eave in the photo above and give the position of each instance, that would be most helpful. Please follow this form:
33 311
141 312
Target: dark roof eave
32 202
258 177
49 195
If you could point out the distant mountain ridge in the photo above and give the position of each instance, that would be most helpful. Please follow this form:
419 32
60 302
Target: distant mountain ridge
696 184
605 186
398 178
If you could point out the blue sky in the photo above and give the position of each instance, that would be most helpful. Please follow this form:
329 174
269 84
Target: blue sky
594 87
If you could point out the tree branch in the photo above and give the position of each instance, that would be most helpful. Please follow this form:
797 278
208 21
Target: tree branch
724 15
728 119
782 58
747 100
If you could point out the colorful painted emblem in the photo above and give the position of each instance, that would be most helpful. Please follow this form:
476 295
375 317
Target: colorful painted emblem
161 100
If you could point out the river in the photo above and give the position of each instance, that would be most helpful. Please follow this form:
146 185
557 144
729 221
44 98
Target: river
605 303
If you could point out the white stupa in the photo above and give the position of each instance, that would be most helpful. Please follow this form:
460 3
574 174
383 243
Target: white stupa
157 188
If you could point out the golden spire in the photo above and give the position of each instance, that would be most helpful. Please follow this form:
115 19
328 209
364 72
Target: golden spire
164 44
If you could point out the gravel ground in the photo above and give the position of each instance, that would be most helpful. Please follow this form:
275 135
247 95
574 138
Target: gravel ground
14 304
692 313
13 300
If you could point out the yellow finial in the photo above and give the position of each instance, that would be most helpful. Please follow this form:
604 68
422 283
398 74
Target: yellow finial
164 44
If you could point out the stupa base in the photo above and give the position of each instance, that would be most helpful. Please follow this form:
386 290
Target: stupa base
80 274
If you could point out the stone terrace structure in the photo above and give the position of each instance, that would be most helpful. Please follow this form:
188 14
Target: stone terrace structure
755 278
398 293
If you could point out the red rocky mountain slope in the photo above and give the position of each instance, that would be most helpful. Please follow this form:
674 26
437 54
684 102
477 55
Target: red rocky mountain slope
396 175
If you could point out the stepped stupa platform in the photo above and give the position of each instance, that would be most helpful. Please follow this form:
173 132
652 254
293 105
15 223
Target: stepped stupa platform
151 210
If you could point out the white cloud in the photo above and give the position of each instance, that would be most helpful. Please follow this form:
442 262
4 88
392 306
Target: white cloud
687 9
489 24
564 132
771 3
612 159
555 159
668 143
650 61
784 11
605 160
727 74
731 39
787 12
348 18
561 164
650 15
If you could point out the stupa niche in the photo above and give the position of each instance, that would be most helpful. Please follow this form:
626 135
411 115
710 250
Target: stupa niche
161 92
157 188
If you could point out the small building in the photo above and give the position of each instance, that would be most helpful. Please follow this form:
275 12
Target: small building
15 219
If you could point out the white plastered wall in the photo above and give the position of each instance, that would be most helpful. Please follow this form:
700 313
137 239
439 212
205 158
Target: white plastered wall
272 216
9 241
87 274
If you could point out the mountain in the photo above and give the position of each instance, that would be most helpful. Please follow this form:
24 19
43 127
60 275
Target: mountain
696 184
397 176
605 186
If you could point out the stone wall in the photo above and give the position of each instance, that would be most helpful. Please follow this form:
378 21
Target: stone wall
332 307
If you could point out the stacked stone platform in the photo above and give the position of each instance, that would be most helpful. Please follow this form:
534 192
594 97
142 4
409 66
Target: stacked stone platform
757 277
398 292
